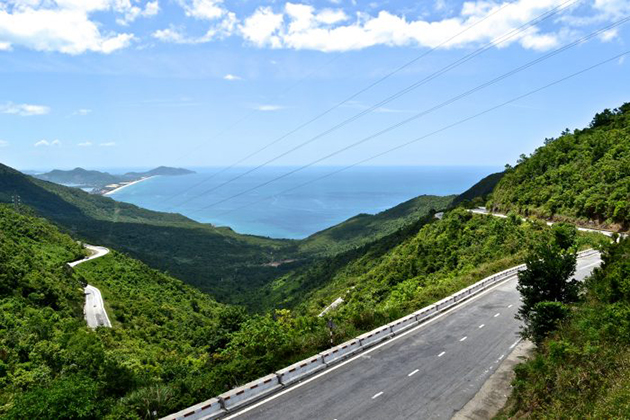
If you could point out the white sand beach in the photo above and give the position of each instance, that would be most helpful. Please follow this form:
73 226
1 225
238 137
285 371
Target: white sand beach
128 184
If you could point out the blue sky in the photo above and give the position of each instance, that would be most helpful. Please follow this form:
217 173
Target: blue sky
125 83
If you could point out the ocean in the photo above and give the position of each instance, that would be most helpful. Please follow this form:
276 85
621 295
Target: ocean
270 211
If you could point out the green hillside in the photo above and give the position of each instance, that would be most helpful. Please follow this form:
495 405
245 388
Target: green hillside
365 228
216 260
230 266
582 176
583 370
52 366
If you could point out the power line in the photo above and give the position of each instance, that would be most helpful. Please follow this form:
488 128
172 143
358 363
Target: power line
430 110
339 104
503 38
445 128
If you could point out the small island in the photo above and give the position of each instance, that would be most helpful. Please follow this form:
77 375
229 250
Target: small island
104 183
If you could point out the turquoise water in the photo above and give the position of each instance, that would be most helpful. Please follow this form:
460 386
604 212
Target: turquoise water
268 211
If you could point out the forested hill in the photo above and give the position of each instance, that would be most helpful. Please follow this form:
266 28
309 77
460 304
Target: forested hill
52 366
216 260
582 176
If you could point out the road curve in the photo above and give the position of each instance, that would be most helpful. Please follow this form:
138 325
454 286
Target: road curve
430 372
94 309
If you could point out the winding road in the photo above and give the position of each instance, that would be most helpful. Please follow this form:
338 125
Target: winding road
430 372
94 309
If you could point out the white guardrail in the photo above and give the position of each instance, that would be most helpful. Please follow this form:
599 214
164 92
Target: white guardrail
236 398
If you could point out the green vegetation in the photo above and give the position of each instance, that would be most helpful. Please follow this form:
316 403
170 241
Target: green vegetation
53 366
216 260
582 370
583 176
233 268
476 195
365 228
546 285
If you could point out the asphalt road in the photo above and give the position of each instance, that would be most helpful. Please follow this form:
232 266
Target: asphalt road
94 308
430 372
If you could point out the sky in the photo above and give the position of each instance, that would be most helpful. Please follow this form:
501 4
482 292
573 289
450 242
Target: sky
126 83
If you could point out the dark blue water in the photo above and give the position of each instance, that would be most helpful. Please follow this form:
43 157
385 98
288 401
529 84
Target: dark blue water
272 211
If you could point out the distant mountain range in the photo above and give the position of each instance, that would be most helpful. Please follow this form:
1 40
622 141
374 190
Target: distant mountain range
97 180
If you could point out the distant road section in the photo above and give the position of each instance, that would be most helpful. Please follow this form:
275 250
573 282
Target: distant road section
94 309
483 210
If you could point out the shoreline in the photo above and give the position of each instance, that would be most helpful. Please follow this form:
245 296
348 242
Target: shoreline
127 185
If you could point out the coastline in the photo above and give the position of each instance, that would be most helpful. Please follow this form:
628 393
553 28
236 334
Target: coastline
128 184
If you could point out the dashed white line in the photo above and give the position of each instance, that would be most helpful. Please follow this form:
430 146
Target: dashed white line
510 305
377 395
482 325
502 356
462 339
497 314
414 372
442 354
515 343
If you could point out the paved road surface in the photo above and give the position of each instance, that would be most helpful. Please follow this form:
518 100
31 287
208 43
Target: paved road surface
430 372
94 308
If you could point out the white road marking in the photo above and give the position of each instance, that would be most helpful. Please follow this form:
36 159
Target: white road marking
375 348
509 306
515 343
497 314
377 395
414 372
482 325
441 354
502 356
462 339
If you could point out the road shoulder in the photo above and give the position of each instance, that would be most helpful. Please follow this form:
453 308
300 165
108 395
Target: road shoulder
495 391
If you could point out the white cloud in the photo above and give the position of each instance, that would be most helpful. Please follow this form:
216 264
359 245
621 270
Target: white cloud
63 26
232 77
108 144
262 28
268 107
85 144
203 9
301 26
82 112
131 12
46 143
23 110
4 143
225 27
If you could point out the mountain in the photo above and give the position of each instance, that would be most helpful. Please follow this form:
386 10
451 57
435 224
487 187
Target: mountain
583 176
216 260
52 366
365 228
478 193
230 266
79 177
95 179
162 170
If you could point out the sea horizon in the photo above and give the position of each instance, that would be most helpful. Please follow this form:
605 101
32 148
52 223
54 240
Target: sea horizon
277 210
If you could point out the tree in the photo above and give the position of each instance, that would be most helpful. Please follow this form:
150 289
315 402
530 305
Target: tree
547 278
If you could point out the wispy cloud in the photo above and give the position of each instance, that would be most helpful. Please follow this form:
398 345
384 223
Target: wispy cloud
85 144
46 143
232 77
268 107
4 143
82 112
23 110
108 144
